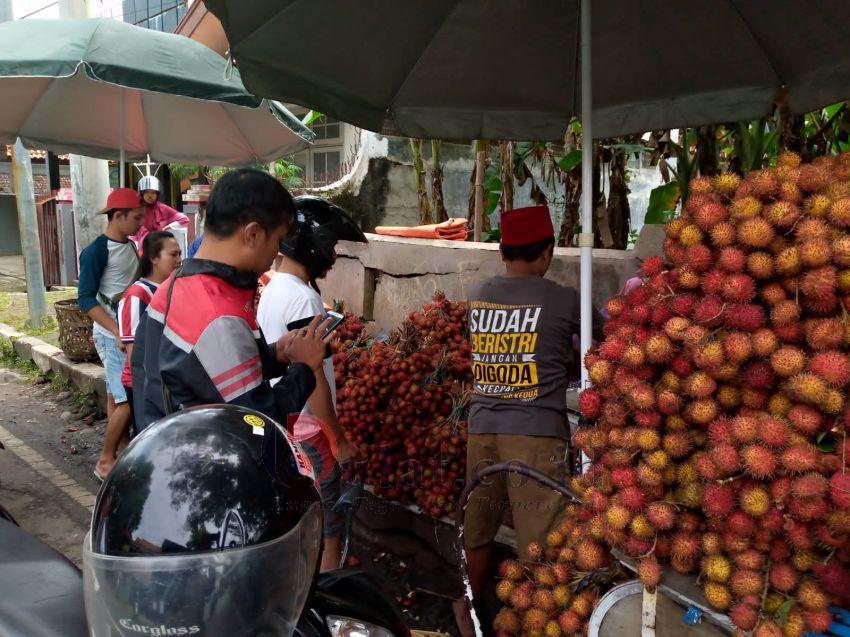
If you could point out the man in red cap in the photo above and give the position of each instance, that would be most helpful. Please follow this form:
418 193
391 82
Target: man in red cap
108 266
521 326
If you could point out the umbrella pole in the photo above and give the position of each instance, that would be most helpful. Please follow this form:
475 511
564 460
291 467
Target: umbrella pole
121 158
586 235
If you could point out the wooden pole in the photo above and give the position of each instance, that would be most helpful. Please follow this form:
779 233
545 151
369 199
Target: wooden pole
479 193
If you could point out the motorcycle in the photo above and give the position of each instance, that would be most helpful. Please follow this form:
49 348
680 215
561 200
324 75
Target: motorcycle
41 591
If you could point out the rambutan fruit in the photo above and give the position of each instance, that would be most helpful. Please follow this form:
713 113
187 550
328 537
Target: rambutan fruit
764 182
699 385
725 184
734 543
779 405
790 192
813 177
718 499
690 235
737 346
744 616
782 214
788 333
589 555
674 251
839 489
843 283
711 543
841 250
732 260
718 595
788 361
744 428
749 559
650 419
838 521
746 582
706 468
787 262
760 265
685 546
648 477
648 440
543 599
758 461
520 598
799 458
741 524
755 500
755 233
702 411
726 458
819 282
811 596
754 398
507 621
709 311
669 402
745 208
811 485
649 572
682 304
716 568
675 328
612 348
661 514
817 621
788 158
738 288
815 253
784 313
726 373
699 257
824 334
839 212
535 619
807 509
832 366
569 622
773 432
806 388
772 293
677 444
601 372
720 431
728 396
710 214
590 404
709 354
745 317
758 375
722 235
768 628
652 266
810 229
659 349
686 277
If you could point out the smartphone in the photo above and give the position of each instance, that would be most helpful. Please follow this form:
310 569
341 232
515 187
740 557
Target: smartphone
336 319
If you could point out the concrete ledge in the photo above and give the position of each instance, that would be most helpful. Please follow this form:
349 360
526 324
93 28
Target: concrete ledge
85 377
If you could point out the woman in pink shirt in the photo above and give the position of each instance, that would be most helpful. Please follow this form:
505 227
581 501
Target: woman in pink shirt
158 216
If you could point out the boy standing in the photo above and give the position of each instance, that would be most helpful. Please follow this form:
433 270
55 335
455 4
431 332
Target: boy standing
108 266
290 298
522 327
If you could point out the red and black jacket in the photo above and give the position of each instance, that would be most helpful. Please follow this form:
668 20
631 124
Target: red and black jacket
203 341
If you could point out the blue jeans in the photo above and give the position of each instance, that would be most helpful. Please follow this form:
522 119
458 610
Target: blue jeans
113 360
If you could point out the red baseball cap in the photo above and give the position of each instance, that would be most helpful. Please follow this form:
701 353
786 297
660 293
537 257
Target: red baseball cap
122 199
522 226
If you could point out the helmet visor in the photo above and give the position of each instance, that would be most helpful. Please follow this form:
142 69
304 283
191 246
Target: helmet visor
254 590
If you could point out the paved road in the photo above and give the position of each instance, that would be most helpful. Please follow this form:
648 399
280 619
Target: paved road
45 471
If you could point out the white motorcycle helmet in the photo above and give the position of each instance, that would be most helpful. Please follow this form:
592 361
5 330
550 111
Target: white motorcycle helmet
149 182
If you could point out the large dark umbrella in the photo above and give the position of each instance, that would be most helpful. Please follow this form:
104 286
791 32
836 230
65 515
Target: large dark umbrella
513 69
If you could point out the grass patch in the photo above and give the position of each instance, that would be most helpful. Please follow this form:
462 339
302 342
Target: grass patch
9 358
14 311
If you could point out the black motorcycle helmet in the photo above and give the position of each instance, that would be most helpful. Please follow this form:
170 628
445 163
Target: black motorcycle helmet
210 523
317 226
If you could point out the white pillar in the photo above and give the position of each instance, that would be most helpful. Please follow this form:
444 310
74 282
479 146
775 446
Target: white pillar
89 176
28 223
586 236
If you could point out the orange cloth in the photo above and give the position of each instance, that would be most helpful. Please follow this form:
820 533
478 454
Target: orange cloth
451 230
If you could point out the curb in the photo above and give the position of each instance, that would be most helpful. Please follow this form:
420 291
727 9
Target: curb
83 376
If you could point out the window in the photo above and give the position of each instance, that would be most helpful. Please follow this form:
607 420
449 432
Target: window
326 128
325 167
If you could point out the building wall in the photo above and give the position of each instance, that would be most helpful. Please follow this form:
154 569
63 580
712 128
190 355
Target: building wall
10 234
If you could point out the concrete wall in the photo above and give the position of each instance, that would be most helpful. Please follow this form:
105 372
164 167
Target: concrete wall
387 278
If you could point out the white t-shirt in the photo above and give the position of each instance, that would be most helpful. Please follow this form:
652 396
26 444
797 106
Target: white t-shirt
285 300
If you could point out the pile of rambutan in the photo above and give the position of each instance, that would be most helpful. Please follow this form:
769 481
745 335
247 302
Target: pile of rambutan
719 407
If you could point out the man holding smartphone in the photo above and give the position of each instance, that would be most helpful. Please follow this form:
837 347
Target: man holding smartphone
291 299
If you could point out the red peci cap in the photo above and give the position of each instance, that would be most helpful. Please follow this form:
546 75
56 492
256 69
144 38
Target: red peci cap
122 199
526 225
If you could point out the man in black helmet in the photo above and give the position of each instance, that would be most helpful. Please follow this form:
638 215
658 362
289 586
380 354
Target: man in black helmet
290 299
